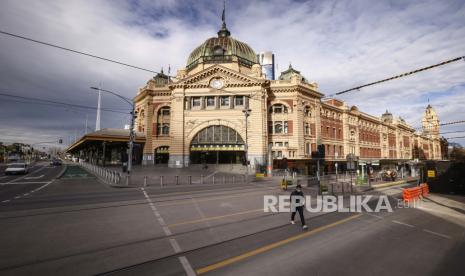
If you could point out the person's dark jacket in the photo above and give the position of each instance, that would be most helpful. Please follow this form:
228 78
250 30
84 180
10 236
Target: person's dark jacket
299 198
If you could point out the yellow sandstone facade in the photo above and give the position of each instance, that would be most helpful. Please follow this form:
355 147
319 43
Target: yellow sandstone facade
199 116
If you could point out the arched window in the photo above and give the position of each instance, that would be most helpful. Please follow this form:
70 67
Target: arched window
217 135
218 50
307 111
163 121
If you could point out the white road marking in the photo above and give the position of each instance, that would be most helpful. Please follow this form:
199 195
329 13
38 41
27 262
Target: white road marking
5 176
22 183
20 178
437 234
41 187
174 244
187 266
6 200
402 223
35 177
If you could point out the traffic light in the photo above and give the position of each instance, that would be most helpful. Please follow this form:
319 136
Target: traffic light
321 151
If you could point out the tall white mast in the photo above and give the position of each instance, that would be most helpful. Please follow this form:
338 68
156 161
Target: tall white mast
97 122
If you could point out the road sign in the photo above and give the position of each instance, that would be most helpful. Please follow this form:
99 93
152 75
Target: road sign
431 173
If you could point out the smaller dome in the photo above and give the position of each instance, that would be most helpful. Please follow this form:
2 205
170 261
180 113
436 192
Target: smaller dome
286 75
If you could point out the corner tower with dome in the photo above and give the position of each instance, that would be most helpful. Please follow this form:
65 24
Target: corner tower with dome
199 117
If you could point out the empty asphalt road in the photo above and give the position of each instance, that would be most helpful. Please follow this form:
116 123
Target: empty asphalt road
77 225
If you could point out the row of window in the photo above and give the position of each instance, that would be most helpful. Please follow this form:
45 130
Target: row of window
280 144
220 101
280 154
331 133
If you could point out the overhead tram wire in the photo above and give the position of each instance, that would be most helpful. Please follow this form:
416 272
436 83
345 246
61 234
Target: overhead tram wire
78 52
399 76
458 131
457 137
56 103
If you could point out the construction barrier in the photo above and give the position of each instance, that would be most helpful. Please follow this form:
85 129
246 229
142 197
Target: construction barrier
424 189
412 194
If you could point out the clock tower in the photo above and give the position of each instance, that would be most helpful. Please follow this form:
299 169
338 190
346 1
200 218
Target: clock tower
430 123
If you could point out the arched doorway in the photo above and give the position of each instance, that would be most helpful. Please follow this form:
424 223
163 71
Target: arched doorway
217 145
162 155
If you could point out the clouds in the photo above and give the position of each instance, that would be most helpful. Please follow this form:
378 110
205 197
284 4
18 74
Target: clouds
339 44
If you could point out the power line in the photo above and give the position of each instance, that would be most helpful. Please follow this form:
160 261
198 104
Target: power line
50 102
458 131
457 137
77 52
399 76
443 124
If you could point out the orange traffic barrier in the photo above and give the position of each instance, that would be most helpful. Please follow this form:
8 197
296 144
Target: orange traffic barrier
411 194
424 189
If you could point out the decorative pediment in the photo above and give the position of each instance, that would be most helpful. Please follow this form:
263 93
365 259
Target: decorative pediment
228 77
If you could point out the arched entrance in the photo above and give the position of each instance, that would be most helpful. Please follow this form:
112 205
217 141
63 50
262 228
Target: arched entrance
162 155
217 145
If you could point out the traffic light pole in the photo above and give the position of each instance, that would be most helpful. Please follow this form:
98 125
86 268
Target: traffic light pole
131 139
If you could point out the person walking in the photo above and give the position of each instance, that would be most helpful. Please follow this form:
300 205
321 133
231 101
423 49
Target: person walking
297 205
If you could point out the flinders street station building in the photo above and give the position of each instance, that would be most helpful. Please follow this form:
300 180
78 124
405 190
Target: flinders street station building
222 109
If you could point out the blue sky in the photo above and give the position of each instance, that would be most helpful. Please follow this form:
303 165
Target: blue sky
338 44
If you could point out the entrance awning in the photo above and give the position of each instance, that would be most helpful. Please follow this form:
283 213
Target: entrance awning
105 135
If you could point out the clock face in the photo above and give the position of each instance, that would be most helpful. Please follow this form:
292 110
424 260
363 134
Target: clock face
217 83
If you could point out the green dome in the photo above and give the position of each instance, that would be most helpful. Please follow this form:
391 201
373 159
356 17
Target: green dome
222 48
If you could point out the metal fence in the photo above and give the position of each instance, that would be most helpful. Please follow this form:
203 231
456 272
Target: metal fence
108 176
117 178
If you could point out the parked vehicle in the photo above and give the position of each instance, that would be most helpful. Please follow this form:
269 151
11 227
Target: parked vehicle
17 168
55 162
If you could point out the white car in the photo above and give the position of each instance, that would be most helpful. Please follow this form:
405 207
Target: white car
16 168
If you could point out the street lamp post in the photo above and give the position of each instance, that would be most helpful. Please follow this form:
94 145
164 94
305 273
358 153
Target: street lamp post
131 131
246 112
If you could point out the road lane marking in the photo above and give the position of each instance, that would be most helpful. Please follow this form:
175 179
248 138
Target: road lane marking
22 177
272 246
6 201
23 183
187 266
214 218
437 234
402 223
35 177
174 244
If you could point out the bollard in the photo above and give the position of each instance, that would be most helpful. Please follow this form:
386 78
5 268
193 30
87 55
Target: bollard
213 180
177 179
161 180
145 181
332 188
342 188
201 179
233 179
127 180
189 179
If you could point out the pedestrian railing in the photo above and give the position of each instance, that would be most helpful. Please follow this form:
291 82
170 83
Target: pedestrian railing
108 176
